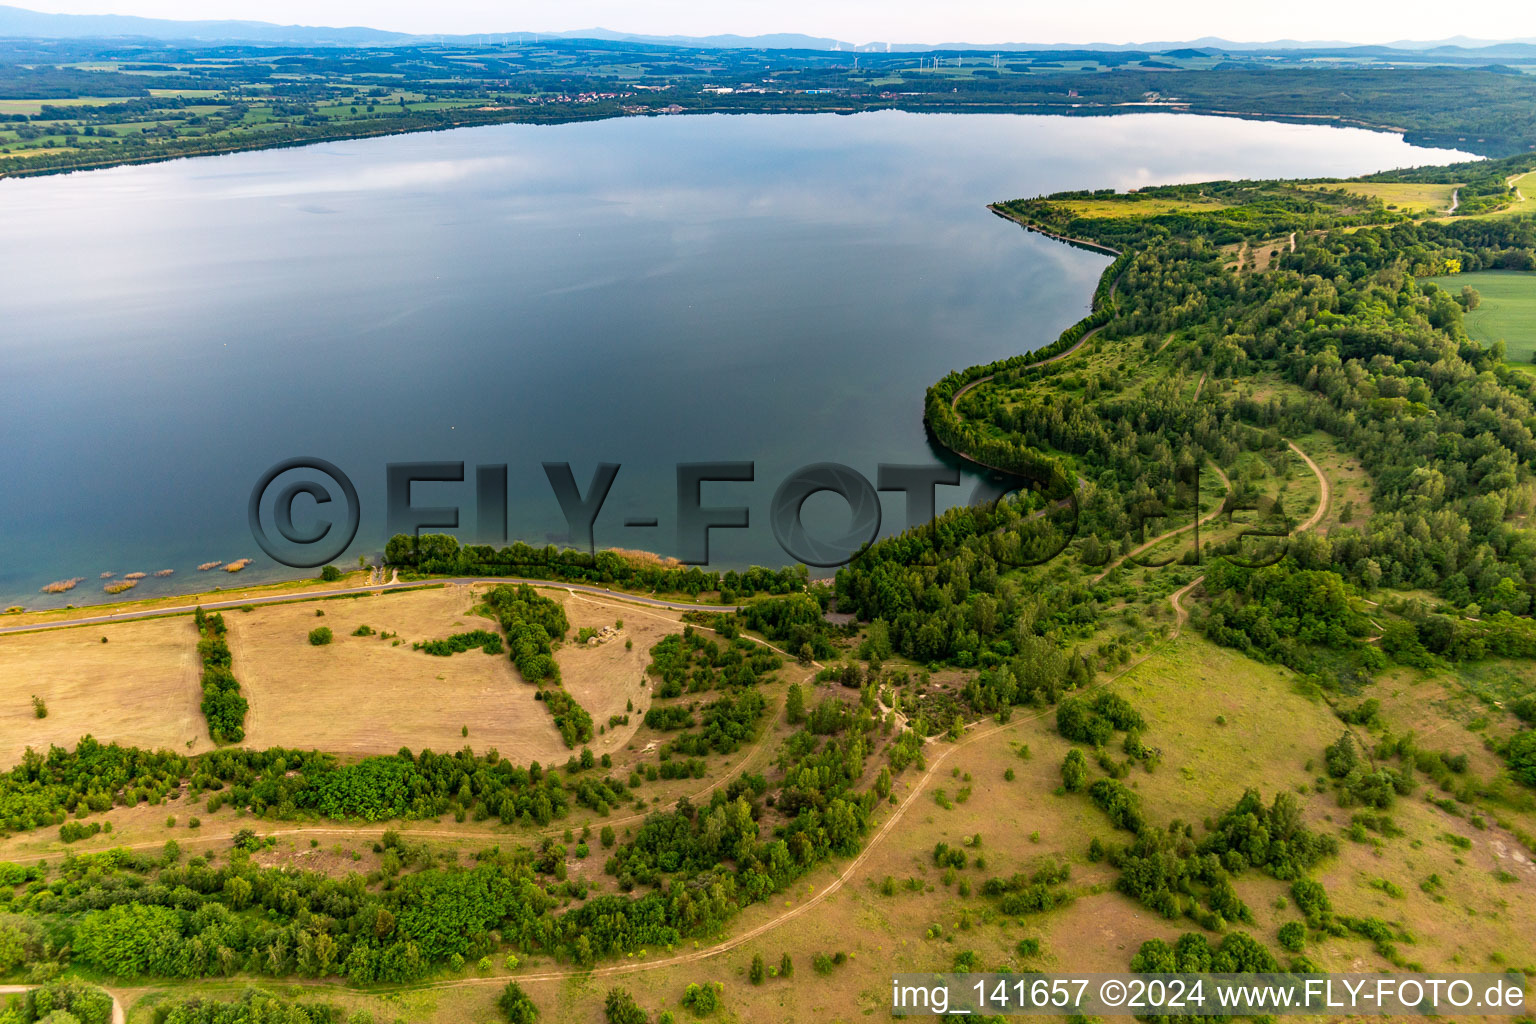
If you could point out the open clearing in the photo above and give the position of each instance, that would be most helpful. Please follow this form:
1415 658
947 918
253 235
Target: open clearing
1507 312
36 106
139 689
362 695
1130 203
1406 197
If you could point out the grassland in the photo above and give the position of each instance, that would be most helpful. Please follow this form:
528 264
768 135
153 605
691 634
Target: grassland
1131 204
140 688
1473 921
1507 312
1478 918
1406 197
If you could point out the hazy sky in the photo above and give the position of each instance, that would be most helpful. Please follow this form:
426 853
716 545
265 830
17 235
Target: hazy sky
982 21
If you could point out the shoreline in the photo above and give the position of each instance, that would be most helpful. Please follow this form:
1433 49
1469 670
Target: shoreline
293 591
14 166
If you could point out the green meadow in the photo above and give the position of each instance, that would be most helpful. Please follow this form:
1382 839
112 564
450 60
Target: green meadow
1507 310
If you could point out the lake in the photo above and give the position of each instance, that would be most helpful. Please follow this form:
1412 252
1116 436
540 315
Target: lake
641 291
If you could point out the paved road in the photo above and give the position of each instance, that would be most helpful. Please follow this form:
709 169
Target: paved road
151 613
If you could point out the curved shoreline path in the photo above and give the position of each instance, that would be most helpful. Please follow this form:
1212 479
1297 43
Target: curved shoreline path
377 588
954 403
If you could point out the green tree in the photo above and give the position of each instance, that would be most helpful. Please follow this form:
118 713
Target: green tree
620 1008
1522 756
1074 771
516 1006
794 704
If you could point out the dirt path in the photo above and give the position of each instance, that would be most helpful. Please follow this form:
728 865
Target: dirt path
1212 514
954 403
1325 491
978 731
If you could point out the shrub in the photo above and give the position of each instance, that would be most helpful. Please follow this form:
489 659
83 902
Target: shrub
620 1008
703 999
1293 935
1074 771
1521 754
330 574
516 1006
68 1001
74 831
320 636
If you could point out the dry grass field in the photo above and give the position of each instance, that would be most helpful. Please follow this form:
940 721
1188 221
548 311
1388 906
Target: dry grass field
140 688
362 695
1474 919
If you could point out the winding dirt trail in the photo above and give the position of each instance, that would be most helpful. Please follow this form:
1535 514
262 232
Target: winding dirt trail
1212 514
977 732
1325 490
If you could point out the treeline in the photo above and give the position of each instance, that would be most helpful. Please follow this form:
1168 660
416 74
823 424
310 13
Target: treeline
796 620
252 1007
1285 614
1384 365
940 592
534 624
222 705
153 916
441 554
59 1002
45 790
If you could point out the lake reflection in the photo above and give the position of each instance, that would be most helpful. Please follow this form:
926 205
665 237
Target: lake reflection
641 291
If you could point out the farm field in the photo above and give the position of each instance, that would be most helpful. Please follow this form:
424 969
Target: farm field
1507 312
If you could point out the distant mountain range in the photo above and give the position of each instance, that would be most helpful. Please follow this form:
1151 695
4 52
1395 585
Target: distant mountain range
18 22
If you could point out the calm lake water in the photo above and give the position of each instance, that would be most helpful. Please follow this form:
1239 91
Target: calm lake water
778 289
